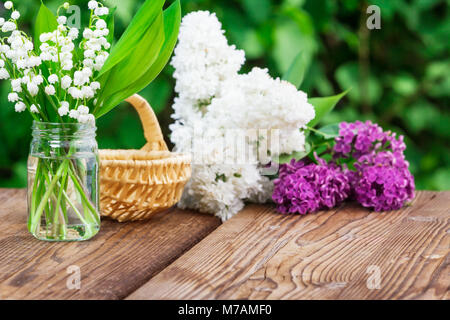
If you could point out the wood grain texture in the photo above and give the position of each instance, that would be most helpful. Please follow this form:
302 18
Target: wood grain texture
259 254
113 264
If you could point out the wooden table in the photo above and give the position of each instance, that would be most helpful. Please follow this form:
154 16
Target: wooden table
346 253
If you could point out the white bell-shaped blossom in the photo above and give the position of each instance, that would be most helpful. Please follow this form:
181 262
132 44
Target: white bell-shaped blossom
20 106
15 15
66 82
53 78
50 90
64 108
4 74
62 20
34 109
13 97
92 5
8 5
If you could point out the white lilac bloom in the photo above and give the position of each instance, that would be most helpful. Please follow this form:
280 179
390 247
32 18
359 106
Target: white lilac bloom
212 95
203 58
255 100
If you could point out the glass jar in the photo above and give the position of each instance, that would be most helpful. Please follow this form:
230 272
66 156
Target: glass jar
63 182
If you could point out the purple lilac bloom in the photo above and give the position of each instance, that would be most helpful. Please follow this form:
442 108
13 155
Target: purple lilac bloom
382 181
361 138
307 187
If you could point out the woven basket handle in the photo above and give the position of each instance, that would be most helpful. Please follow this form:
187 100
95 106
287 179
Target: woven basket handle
152 130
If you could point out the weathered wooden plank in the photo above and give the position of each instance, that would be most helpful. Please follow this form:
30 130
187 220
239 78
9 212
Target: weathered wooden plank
335 254
113 264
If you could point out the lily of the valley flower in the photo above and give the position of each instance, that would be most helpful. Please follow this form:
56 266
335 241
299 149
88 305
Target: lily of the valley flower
69 86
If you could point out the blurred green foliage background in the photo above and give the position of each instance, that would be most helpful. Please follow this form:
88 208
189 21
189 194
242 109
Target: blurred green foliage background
399 75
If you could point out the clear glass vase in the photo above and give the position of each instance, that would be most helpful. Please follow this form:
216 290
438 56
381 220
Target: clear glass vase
63 182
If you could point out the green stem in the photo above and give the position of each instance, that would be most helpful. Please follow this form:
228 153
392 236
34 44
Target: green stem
44 200
36 191
317 131
82 193
66 169
57 208
80 216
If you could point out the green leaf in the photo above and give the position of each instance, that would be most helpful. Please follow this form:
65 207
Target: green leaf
330 131
288 41
323 106
297 70
133 35
45 22
172 20
286 158
133 67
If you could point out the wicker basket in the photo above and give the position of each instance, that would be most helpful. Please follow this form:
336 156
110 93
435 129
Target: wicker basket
136 184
